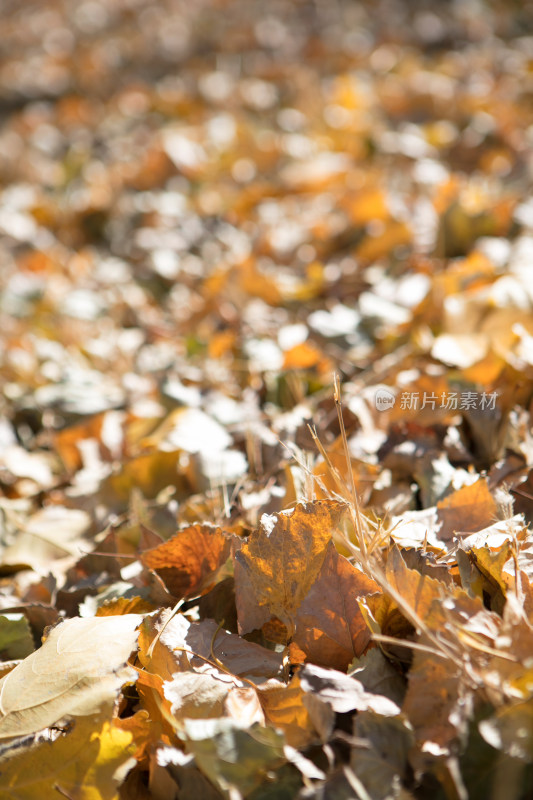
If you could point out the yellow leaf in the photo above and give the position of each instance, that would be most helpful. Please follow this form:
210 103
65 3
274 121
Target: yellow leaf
119 606
284 708
148 473
87 763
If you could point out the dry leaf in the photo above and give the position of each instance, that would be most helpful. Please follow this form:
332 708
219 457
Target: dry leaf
330 628
79 670
285 709
192 561
468 509
282 560
88 762
343 692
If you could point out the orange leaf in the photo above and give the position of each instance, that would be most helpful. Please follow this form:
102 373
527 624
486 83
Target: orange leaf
469 509
190 562
417 591
302 356
284 708
280 562
125 605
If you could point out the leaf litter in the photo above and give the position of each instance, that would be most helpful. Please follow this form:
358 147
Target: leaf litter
265 430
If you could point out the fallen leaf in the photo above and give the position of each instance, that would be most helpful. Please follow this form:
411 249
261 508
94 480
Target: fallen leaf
417 591
378 675
183 643
329 626
88 762
284 708
173 771
54 532
437 702
149 473
343 692
196 695
382 763
466 510
79 669
232 756
281 560
192 561
124 605
510 730
16 640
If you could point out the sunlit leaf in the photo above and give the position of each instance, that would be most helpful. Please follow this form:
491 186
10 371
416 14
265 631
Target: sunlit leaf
191 562
79 669
468 509
282 560
88 762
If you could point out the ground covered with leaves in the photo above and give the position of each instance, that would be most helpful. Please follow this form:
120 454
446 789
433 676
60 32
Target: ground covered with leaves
266 356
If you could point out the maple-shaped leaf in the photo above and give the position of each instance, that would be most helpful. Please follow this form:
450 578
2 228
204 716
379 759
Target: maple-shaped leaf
80 669
88 763
279 563
191 562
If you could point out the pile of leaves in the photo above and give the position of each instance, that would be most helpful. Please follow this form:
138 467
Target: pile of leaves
266 356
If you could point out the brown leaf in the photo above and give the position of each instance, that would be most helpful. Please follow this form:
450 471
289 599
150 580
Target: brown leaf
281 561
468 509
330 628
242 658
183 644
437 703
343 692
197 695
189 564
